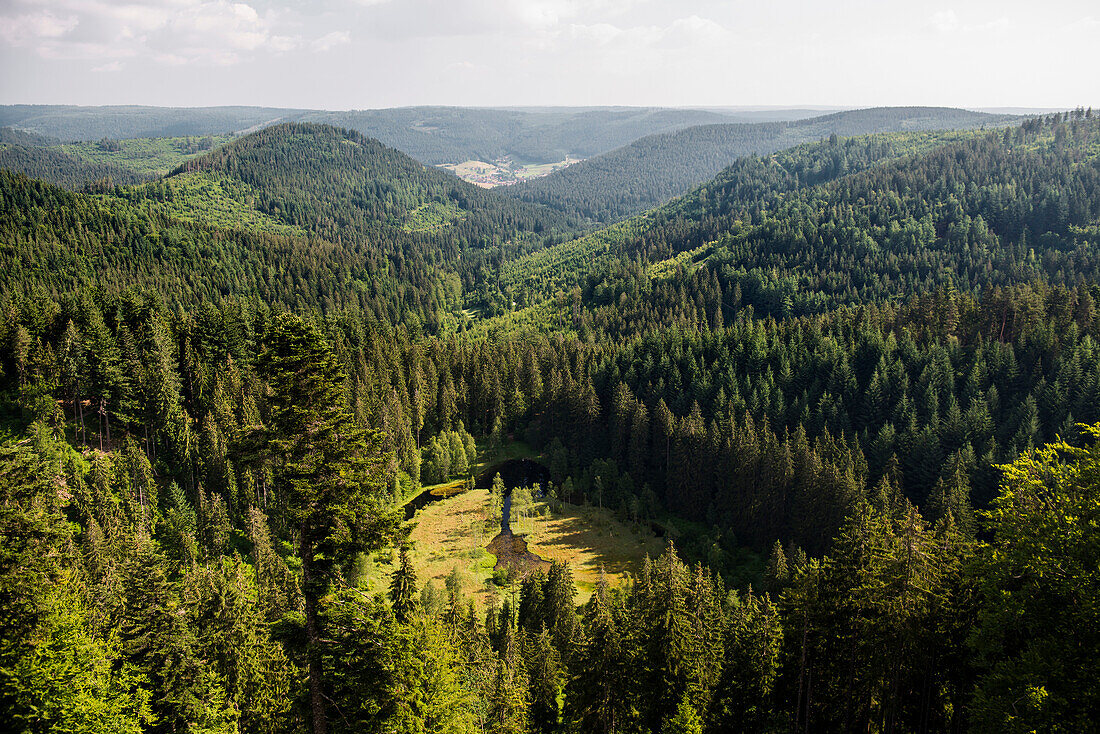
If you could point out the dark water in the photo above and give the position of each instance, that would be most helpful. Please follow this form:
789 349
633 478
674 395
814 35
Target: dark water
506 514
514 473
419 502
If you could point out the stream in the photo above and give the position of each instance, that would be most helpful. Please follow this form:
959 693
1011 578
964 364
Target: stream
510 549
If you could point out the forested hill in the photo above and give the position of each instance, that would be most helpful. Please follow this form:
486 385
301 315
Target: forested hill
826 378
297 215
970 252
432 135
337 183
852 221
654 169
14 136
73 122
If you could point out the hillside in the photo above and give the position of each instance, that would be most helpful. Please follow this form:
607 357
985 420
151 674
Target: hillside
846 386
13 136
293 214
54 165
652 170
853 220
119 162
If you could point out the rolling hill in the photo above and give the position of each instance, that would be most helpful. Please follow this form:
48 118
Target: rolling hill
293 214
438 135
432 135
654 169
58 167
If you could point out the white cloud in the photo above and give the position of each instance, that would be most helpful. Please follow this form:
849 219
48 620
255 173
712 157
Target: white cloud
597 33
330 41
945 21
682 32
22 30
174 32
693 30
112 66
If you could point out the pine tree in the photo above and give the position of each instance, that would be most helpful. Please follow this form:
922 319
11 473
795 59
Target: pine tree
598 692
685 721
776 571
544 679
753 646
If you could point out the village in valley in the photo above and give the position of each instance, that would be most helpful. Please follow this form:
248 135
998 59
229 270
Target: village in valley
504 171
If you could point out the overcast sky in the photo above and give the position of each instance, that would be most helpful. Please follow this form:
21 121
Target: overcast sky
351 54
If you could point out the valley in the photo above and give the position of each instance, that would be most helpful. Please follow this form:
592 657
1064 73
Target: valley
730 426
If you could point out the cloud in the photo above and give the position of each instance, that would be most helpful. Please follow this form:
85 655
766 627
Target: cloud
945 21
461 18
330 41
682 32
174 32
693 30
112 66
45 25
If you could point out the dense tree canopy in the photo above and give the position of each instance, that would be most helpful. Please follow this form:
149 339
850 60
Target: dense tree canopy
852 384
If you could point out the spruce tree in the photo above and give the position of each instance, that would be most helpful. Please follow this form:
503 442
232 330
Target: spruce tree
330 472
403 587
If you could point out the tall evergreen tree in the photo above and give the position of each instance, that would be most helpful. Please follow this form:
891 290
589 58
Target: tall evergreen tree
329 469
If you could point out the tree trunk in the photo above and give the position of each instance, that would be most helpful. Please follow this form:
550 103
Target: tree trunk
80 403
76 420
802 672
313 637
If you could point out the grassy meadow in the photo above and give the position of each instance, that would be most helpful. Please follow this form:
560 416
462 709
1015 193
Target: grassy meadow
453 533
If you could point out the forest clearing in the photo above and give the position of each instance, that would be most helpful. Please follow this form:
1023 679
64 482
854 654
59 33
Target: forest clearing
454 532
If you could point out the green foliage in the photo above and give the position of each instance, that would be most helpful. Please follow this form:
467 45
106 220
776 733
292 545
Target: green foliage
686 720
806 373
390 677
146 157
1037 626
56 674
403 588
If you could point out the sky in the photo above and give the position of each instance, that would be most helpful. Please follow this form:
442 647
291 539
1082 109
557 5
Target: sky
359 54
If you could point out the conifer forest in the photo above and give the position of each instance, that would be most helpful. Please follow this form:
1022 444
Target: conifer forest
847 380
